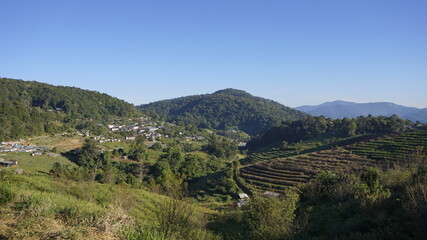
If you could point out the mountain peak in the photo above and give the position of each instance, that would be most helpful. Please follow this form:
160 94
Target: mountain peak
233 92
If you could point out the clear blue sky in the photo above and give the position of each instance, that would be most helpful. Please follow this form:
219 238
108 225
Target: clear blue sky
295 52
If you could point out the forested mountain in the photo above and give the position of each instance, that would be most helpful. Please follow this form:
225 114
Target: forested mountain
33 108
341 109
224 109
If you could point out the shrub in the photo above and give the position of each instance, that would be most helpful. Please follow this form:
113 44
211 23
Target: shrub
369 191
272 218
174 217
329 185
416 193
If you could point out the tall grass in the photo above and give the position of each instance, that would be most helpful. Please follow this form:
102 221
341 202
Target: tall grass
40 207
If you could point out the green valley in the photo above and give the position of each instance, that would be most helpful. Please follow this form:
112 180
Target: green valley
78 164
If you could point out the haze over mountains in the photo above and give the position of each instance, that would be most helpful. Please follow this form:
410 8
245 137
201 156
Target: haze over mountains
341 109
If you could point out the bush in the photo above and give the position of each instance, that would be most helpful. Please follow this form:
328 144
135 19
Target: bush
271 218
369 191
174 217
329 185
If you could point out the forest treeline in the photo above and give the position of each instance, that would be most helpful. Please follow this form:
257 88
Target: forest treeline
311 127
33 108
223 110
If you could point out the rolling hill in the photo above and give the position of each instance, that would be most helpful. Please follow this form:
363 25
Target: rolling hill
34 108
223 110
341 109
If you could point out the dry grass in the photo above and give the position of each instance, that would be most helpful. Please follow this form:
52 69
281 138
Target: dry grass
61 143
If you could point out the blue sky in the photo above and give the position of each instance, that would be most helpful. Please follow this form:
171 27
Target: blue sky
294 52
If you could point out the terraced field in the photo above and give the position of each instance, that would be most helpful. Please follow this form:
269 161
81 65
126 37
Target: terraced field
273 153
392 148
291 171
306 147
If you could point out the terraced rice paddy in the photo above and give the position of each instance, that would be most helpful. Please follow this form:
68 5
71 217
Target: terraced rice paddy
392 148
291 171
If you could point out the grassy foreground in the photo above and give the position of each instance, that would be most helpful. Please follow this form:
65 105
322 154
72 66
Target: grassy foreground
34 206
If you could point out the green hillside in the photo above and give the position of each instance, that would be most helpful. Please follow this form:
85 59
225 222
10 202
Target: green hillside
41 207
33 108
392 148
224 109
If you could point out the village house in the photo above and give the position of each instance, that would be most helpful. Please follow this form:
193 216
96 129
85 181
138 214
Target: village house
152 129
131 137
10 163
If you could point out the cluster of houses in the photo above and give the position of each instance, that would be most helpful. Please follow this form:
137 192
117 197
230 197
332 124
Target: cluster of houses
102 139
20 146
142 127
195 138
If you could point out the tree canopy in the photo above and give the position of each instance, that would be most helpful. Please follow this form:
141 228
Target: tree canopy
224 109
311 127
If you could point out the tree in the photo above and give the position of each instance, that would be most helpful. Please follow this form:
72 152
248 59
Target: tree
89 155
138 149
92 158
349 127
221 147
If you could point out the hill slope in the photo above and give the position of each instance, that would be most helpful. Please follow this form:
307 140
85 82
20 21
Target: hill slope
41 207
341 109
225 109
33 108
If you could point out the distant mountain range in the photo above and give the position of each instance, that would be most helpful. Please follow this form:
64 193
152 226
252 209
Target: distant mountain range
223 110
341 109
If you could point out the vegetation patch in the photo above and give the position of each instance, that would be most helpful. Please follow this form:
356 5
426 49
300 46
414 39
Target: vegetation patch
392 148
